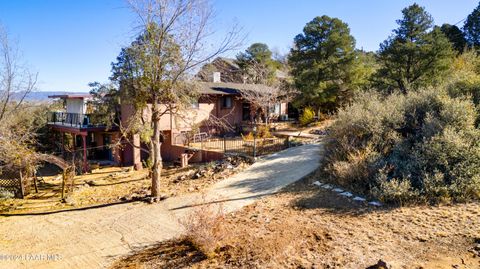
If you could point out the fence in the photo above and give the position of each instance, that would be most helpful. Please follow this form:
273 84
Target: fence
13 185
238 145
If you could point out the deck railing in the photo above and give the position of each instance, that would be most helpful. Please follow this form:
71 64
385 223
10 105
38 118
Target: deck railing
69 119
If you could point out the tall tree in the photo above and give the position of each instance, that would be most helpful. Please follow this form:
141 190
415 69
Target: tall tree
152 72
414 55
471 28
257 64
455 36
323 63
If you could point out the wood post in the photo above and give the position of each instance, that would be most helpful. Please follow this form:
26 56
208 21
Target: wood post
63 183
62 137
35 182
22 190
224 143
85 164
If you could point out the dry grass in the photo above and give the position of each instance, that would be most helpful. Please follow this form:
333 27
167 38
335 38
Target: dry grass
306 227
114 184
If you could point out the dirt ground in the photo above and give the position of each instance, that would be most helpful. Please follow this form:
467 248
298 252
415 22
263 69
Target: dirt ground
111 185
307 227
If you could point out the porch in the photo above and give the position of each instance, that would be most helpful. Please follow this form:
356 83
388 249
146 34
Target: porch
79 140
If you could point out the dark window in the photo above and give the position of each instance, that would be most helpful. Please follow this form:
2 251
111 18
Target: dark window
227 102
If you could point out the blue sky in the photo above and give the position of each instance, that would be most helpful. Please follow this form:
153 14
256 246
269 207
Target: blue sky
71 43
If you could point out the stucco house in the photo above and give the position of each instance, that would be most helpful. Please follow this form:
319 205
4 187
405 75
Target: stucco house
218 101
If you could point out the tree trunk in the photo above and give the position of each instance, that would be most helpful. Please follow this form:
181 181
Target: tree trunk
156 153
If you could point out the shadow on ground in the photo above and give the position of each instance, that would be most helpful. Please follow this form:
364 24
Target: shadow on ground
168 254
313 197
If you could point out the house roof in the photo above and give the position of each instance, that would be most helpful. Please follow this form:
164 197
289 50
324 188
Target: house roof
71 96
224 88
230 61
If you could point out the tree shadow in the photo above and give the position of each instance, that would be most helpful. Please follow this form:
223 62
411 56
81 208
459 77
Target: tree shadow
70 209
168 254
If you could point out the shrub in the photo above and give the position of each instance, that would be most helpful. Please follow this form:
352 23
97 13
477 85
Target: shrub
6 194
401 148
264 132
307 116
248 137
204 228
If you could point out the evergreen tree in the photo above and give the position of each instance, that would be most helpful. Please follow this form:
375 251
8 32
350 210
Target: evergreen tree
414 56
257 64
323 64
455 36
471 28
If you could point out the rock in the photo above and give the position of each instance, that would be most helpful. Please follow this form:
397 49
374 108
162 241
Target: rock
317 183
327 186
191 189
359 199
379 265
69 200
375 203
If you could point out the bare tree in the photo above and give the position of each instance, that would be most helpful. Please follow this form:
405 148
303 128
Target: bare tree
153 72
261 99
16 81
17 137
266 92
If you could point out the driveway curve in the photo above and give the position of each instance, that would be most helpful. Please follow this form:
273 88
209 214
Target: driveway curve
93 238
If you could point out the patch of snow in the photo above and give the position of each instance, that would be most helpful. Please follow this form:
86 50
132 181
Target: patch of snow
346 194
359 199
375 203
317 183
338 190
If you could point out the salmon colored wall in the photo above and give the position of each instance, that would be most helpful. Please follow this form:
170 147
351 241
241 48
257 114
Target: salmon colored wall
172 126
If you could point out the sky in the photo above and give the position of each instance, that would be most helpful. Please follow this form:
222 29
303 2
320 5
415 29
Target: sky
71 43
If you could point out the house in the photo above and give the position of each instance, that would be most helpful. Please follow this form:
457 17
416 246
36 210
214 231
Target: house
220 109
91 141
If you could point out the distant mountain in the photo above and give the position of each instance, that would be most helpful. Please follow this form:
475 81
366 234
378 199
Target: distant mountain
41 95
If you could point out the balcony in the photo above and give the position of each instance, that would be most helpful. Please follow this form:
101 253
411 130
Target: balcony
73 120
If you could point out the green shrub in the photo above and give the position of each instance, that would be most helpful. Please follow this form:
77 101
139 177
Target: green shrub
307 116
401 148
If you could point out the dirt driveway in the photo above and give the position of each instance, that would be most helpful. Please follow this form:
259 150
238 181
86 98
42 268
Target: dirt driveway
93 238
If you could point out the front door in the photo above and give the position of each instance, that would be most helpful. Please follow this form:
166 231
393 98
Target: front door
107 141
246 112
